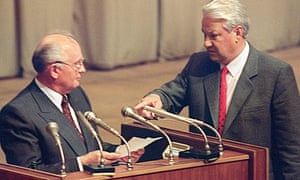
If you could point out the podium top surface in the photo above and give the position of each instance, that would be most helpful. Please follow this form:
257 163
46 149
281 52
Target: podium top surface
162 165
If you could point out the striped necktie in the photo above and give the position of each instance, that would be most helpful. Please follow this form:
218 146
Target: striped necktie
67 113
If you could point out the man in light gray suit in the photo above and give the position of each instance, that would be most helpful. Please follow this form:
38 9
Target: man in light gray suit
58 61
262 99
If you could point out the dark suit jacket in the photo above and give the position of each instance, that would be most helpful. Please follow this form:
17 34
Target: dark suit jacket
23 134
264 109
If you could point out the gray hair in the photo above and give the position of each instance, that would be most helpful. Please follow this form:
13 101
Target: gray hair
49 53
231 11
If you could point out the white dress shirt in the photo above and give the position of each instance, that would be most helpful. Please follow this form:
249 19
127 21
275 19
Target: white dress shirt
235 69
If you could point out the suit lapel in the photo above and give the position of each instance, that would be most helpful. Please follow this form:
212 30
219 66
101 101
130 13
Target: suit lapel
85 132
67 132
212 93
243 89
49 112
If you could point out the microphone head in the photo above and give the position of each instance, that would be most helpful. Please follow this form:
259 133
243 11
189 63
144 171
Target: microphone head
89 115
52 128
127 111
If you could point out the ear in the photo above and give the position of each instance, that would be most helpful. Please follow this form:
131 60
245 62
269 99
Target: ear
54 71
239 31
238 34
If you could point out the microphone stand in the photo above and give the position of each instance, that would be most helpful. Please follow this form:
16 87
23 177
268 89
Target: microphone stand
92 117
201 123
191 121
207 147
101 167
128 112
52 129
129 161
171 155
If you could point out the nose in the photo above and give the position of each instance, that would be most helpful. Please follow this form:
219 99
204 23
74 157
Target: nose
82 68
207 42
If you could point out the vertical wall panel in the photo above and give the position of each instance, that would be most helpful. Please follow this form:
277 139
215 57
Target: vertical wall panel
180 28
9 66
274 24
38 18
120 32
117 32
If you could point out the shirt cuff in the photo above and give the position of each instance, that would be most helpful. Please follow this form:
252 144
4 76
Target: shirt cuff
80 164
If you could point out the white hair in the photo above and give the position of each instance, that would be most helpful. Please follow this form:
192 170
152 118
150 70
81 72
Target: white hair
231 11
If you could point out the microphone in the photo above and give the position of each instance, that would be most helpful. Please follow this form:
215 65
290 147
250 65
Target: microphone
207 147
191 121
92 117
128 112
52 129
202 123
101 167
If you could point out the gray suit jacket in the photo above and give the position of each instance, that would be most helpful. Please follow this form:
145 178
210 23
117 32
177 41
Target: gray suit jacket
23 134
264 109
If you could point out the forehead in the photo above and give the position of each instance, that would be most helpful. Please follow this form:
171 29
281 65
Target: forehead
73 54
212 25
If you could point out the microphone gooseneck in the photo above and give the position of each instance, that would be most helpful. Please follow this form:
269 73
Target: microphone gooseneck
202 123
163 113
92 117
52 129
128 112
158 112
94 134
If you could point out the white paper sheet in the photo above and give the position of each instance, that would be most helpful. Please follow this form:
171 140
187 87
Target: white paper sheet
136 143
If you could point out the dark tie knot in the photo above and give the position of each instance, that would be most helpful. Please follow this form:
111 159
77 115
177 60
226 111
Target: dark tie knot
64 100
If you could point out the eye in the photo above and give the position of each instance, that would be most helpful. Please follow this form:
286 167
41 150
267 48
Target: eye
214 36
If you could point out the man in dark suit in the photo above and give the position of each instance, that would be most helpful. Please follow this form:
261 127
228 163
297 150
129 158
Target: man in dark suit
58 61
262 99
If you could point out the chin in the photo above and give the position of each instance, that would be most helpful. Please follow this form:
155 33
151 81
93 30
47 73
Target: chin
214 58
76 85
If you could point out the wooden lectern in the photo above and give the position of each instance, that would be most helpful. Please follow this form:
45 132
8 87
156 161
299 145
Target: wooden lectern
239 162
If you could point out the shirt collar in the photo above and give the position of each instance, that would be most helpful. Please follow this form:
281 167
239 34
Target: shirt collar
54 96
238 63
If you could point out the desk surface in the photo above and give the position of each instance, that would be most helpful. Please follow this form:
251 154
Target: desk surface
162 165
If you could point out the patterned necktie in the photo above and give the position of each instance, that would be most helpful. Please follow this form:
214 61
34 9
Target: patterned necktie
222 100
67 113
